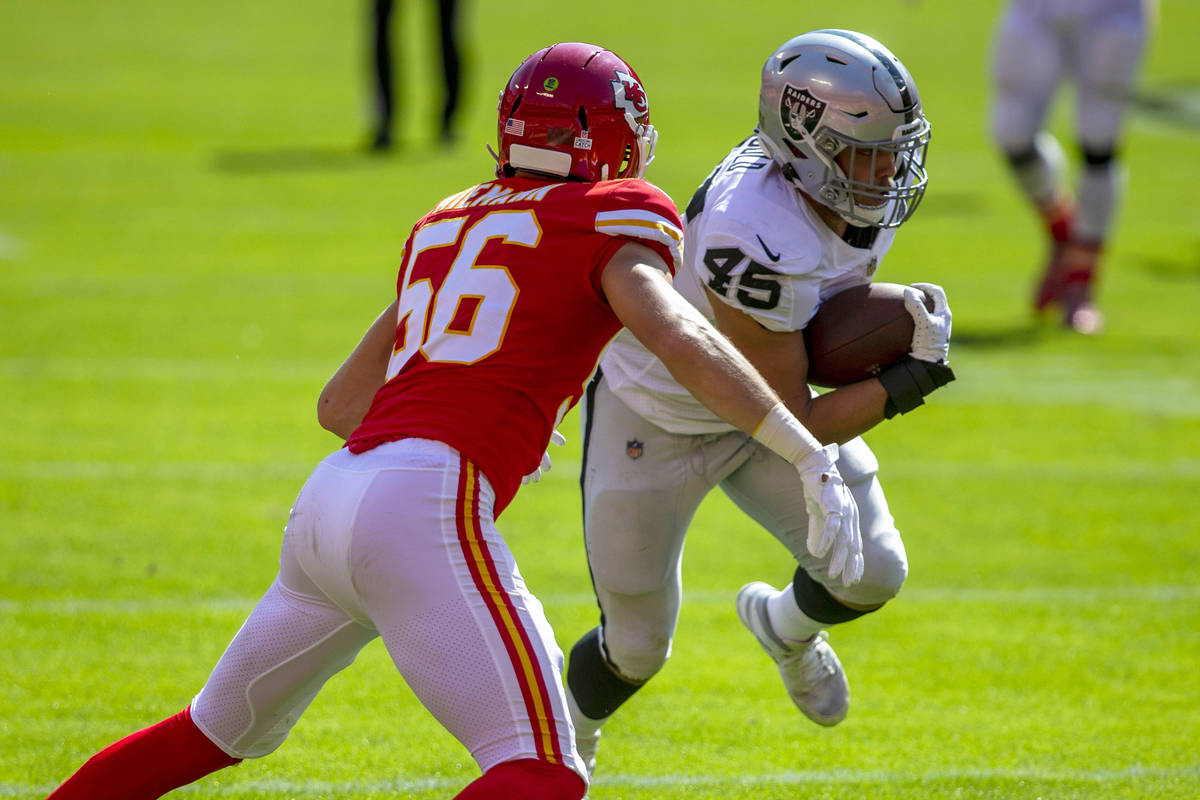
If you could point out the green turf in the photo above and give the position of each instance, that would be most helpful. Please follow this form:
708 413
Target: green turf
191 240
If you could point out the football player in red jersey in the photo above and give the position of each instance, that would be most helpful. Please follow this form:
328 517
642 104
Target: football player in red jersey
507 293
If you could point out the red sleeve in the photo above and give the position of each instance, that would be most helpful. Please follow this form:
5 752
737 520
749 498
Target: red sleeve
639 211
603 256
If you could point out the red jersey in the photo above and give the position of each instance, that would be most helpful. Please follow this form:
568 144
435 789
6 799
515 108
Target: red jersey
501 317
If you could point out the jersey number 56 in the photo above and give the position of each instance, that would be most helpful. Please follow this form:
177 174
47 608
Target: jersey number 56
466 318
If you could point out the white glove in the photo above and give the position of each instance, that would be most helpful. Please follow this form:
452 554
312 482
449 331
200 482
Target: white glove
931 329
832 515
535 476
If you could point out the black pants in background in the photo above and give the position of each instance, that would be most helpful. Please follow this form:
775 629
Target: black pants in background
385 103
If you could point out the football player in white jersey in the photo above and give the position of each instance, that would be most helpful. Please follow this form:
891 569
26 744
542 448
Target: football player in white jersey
1097 45
802 210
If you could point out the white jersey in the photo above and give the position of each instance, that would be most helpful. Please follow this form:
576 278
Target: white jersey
752 241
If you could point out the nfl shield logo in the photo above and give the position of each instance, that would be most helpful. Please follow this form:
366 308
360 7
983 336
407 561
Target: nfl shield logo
799 111
633 449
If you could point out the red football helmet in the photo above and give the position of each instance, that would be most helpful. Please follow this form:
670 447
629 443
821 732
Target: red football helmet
575 111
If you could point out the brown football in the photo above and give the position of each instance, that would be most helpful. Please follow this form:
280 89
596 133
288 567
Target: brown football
856 333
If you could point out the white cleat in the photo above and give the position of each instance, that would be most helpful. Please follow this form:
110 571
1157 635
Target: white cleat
811 672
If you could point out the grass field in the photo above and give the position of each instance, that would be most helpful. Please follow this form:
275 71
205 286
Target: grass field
191 240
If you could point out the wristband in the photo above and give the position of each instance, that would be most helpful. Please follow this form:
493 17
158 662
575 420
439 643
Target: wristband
908 380
782 433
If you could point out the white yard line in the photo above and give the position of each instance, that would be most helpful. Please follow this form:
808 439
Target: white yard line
172 370
1034 595
1174 469
154 470
681 781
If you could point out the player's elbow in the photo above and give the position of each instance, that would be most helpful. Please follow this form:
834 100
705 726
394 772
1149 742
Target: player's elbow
335 416
325 414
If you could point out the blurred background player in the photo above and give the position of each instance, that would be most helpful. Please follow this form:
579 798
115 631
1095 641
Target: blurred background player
383 72
1097 45
804 209
507 291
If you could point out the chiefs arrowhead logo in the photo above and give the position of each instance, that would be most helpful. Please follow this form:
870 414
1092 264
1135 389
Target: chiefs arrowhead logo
629 95
799 111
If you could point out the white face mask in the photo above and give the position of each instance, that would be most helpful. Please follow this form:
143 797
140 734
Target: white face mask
647 142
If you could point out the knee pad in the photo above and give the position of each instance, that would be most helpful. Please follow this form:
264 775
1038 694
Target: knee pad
883 575
818 604
527 778
594 684
637 654
1021 158
882 581
1098 156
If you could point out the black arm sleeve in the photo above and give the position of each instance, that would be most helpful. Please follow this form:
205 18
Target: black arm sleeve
908 380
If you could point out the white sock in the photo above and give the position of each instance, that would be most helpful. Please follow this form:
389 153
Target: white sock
1099 188
786 618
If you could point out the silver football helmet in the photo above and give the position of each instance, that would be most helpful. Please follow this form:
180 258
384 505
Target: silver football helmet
830 92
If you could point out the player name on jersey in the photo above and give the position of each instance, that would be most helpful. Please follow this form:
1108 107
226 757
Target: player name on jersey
491 194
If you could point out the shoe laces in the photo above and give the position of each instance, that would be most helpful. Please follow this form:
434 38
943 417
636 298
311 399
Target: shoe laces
812 659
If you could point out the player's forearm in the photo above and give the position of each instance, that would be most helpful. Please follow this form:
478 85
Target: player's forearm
781 358
721 378
712 369
696 354
347 396
840 415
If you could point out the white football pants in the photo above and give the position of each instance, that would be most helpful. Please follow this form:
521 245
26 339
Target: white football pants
1097 44
641 488
397 542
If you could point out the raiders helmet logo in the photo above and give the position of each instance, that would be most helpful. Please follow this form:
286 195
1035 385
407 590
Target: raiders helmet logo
634 449
799 111
629 95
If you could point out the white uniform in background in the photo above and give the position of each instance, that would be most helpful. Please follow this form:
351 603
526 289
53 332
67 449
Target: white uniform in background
1097 46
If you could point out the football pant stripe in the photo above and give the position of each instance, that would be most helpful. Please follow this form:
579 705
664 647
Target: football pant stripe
508 624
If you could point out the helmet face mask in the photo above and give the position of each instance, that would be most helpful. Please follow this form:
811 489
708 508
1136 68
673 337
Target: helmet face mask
841 115
575 111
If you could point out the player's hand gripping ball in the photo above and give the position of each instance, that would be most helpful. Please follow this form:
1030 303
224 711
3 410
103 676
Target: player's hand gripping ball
857 332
